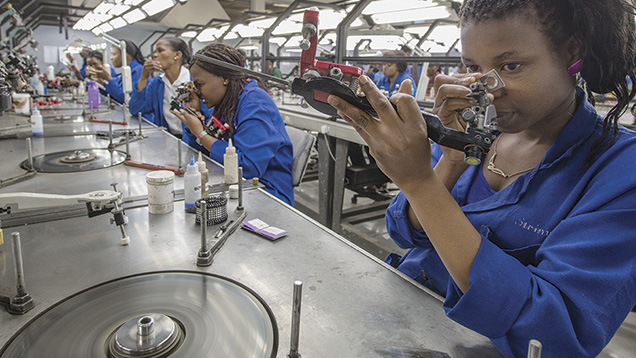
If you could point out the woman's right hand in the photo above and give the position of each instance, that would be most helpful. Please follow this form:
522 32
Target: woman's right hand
450 100
150 66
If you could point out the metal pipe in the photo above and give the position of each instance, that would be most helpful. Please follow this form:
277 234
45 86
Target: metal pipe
204 226
29 153
295 328
534 349
139 118
179 153
240 189
110 132
127 144
17 259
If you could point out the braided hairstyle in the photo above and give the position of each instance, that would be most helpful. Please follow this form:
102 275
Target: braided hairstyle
606 34
178 44
236 79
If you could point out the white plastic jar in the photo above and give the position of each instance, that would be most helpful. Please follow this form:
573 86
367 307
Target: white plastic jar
160 191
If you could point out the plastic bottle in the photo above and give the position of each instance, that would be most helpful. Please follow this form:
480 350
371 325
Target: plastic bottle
203 170
50 73
93 95
40 88
230 164
36 122
192 186
81 89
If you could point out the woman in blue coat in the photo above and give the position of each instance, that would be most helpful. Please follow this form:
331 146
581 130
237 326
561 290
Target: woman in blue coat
113 84
394 74
538 241
152 97
256 126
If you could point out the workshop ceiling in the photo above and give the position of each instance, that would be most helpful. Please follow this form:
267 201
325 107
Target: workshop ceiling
55 12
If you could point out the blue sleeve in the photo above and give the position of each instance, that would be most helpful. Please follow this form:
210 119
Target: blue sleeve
83 72
255 137
115 86
141 101
575 294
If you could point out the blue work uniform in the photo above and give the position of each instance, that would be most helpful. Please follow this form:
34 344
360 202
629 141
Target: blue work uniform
557 260
383 83
114 86
83 71
261 140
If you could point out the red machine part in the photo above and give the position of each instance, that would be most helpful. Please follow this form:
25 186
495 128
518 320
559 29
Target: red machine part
308 57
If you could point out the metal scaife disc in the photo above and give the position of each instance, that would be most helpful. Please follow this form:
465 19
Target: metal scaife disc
75 160
160 314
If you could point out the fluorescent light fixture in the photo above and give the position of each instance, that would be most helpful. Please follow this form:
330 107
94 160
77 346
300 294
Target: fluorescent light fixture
119 9
189 34
277 40
97 31
133 2
419 30
414 15
287 27
208 35
382 6
103 7
105 27
134 16
248 31
248 47
377 42
117 22
230 35
262 24
157 6
446 34
329 19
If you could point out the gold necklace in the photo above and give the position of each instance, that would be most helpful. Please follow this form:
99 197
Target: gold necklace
493 169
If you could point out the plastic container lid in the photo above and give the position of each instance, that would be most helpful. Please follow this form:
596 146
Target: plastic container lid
160 177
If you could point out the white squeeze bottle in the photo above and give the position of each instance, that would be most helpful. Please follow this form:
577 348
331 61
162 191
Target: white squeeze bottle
192 186
204 176
37 128
230 164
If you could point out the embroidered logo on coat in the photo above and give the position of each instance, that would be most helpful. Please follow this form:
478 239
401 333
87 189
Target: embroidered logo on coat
523 223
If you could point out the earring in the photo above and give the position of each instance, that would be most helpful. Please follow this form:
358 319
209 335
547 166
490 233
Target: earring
575 68
225 82
175 58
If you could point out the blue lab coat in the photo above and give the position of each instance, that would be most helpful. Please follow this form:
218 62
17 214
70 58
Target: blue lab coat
557 260
262 144
114 86
383 83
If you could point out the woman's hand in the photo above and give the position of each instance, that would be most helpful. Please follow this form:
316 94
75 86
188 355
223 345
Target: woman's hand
451 100
398 140
194 124
195 100
150 66
99 73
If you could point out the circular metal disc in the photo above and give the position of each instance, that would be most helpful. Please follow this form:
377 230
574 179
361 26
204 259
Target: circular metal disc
220 318
58 162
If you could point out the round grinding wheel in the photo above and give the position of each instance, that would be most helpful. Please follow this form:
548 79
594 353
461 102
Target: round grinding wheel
157 314
75 160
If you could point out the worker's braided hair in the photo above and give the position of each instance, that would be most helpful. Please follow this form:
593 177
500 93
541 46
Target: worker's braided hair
236 79
604 30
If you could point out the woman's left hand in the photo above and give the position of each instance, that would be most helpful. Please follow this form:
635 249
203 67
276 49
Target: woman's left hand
194 124
398 140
